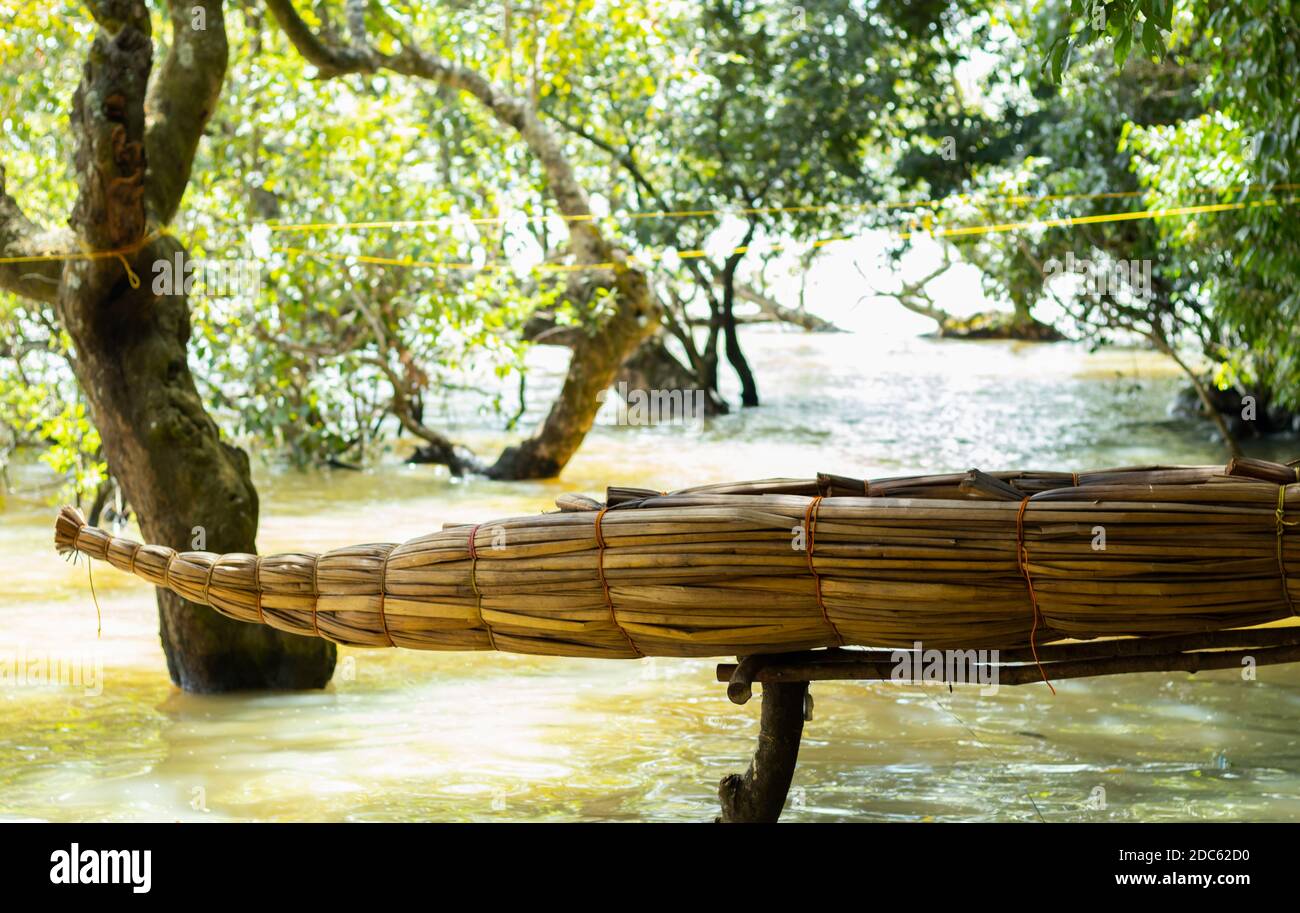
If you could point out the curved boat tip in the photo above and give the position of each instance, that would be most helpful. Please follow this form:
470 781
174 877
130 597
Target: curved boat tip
67 527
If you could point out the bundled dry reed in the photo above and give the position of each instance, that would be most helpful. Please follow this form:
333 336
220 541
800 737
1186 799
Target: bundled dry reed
995 560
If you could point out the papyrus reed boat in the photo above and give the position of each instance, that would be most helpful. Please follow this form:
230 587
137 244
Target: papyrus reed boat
969 560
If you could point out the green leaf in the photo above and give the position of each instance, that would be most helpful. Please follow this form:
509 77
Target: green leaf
1162 11
1152 41
1122 45
1056 59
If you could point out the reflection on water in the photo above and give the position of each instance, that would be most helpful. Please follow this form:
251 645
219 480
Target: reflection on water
405 735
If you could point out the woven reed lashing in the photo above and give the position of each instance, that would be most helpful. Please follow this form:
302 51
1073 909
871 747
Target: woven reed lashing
963 560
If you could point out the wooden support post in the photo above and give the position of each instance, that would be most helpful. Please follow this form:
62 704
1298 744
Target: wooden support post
759 795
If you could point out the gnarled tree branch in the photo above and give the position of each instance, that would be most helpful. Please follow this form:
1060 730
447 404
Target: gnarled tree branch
336 60
610 338
182 96
108 120
774 309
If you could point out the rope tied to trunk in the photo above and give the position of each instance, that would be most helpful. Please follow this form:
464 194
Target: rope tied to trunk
810 527
604 584
473 582
88 253
1022 558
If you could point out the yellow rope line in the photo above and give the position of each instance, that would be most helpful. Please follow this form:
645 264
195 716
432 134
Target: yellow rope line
696 253
651 257
1070 221
430 264
1013 199
382 261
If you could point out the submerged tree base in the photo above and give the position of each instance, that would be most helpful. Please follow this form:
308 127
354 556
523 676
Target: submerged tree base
997 325
1245 414
208 653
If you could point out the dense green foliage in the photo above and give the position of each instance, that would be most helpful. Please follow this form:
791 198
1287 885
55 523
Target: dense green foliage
1246 141
1112 110
776 127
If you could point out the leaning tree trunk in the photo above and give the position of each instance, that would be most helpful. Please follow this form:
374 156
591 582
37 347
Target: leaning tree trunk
597 357
607 340
731 339
189 489
654 367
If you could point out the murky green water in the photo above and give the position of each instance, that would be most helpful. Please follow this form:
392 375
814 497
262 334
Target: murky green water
409 735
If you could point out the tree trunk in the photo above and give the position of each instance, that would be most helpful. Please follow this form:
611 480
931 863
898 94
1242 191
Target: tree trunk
735 355
758 795
608 339
710 358
653 367
595 362
188 488
1202 393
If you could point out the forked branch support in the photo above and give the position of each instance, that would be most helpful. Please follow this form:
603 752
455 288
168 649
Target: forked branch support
759 795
